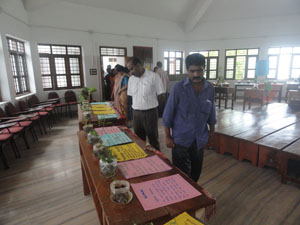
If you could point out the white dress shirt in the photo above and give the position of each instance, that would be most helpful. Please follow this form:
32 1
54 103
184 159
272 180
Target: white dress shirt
144 90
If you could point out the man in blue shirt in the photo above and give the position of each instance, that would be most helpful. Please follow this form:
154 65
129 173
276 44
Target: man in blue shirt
189 111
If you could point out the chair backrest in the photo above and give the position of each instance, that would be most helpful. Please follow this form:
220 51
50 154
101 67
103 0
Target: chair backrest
22 105
10 109
33 100
52 95
70 96
2 113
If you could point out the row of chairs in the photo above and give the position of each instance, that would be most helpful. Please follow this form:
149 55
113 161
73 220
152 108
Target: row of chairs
15 121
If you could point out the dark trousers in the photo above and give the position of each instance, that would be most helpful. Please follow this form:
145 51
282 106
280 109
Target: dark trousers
188 160
145 124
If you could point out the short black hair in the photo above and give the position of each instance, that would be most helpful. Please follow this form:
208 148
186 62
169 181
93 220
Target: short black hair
134 60
159 64
195 59
120 68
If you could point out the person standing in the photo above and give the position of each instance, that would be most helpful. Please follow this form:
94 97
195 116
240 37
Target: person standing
147 90
165 80
189 111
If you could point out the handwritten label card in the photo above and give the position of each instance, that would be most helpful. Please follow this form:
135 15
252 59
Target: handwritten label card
101 108
164 191
115 139
141 167
107 130
104 112
184 219
108 116
128 152
99 103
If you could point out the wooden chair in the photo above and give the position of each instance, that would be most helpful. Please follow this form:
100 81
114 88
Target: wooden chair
61 105
224 93
4 138
252 95
71 99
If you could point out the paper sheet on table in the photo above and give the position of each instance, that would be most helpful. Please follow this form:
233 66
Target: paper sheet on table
98 112
108 116
163 191
115 139
184 219
101 108
128 152
99 103
141 167
107 130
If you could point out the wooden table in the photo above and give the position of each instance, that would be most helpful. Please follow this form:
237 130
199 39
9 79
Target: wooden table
133 213
119 121
241 87
294 97
253 95
290 86
276 88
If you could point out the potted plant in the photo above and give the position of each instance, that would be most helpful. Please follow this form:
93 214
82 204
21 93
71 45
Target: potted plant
87 127
104 123
99 149
120 191
220 81
93 137
108 164
85 95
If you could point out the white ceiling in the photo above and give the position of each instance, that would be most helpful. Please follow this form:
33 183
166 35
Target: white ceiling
187 12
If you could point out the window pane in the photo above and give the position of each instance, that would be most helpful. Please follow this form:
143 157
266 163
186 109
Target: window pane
20 47
251 62
177 72
13 65
229 74
44 49
251 74
47 83
273 62
73 50
230 63
74 66
165 65
178 62
21 66
272 74
60 50
204 53
45 65
12 45
253 51
242 52
17 87
172 54
273 51
166 54
230 52
284 67
24 84
75 80
213 53
295 73
192 53
240 67
178 54
61 81
286 50
296 61
172 66
213 64
212 74
60 66
296 50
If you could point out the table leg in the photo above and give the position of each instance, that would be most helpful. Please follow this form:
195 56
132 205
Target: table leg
86 189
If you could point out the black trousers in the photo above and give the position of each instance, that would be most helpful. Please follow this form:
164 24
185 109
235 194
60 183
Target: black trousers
188 160
145 124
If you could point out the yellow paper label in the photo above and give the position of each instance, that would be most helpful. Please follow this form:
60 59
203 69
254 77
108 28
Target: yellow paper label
104 112
184 219
101 108
128 152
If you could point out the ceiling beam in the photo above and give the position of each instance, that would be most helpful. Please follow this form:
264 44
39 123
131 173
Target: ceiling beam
31 5
196 14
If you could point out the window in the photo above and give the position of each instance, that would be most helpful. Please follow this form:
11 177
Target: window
241 63
18 65
211 62
284 63
61 66
173 61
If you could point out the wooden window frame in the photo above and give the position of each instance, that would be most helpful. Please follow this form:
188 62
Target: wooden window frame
234 63
18 54
176 58
207 69
68 74
277 64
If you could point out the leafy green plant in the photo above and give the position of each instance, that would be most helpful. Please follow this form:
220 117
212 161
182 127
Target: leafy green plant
104 123
220 80
107 156
268 86
85 94
94 133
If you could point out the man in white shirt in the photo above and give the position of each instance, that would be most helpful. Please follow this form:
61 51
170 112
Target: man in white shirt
146 90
